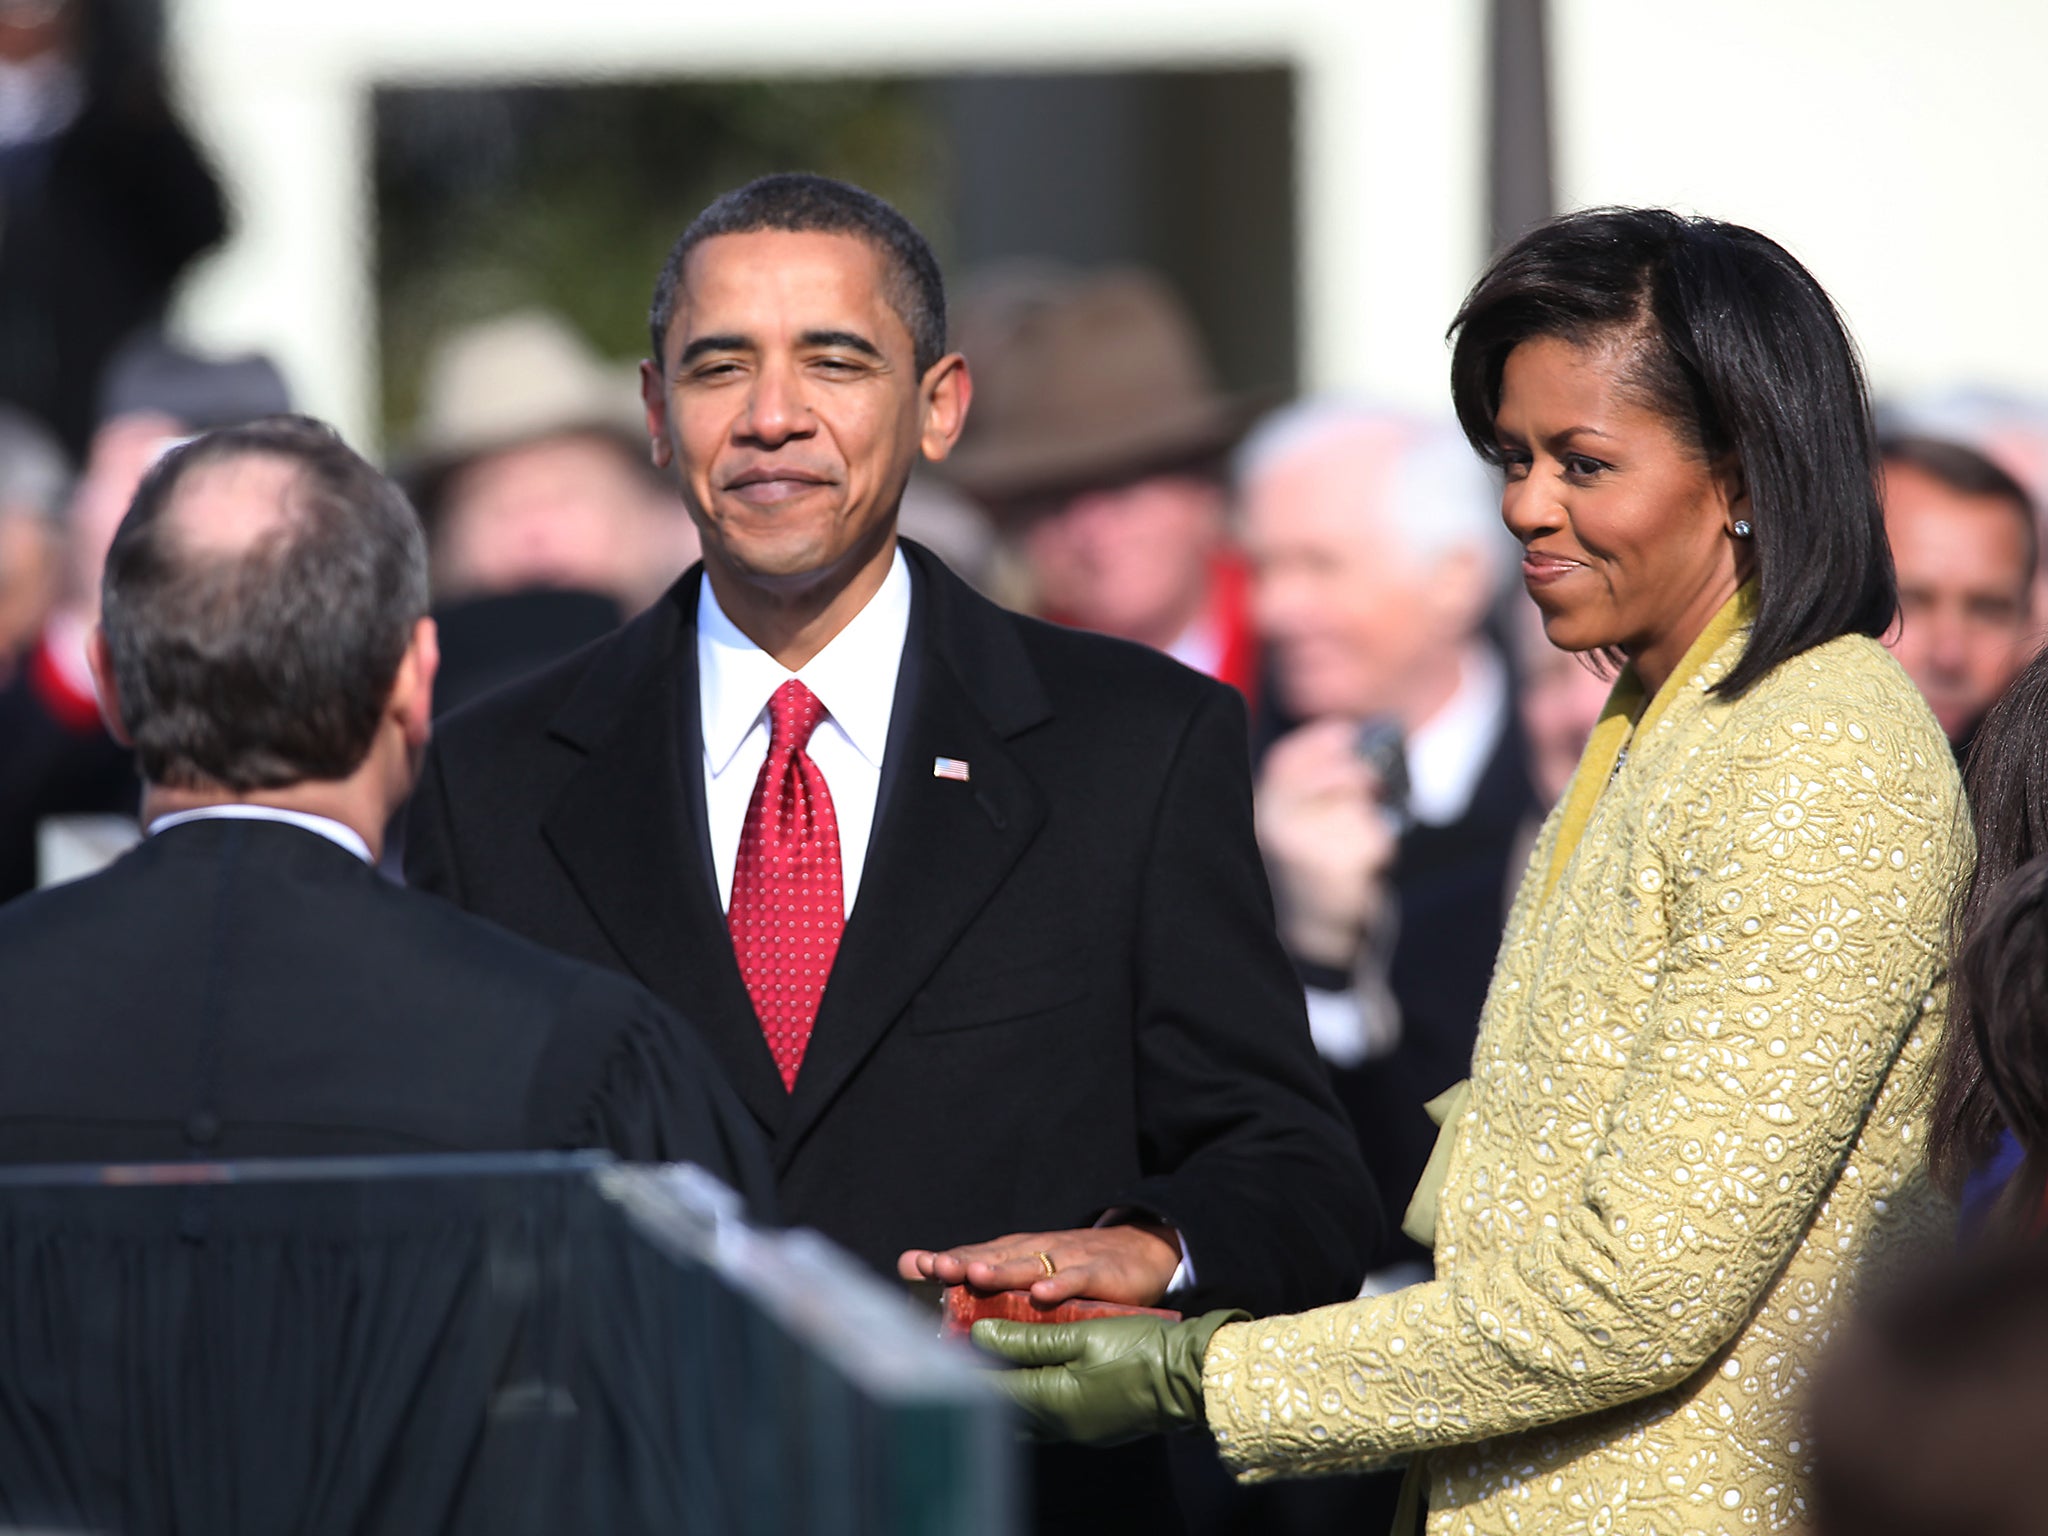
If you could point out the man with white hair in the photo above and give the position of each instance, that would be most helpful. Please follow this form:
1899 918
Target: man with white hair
1387 820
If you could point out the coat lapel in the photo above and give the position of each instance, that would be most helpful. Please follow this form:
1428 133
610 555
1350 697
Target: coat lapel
941 846
628 828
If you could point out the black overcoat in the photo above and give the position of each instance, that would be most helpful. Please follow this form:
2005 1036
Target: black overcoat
1059 990
236 989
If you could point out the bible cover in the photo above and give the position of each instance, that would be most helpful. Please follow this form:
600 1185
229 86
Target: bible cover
964 1308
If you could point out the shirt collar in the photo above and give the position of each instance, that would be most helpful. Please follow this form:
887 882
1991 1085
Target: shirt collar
1448 753
854 676
321 826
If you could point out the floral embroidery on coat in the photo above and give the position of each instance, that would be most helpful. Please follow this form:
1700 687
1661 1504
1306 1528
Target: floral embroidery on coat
1696 1128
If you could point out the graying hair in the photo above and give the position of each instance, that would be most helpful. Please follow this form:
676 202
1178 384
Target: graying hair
272 664
1443 497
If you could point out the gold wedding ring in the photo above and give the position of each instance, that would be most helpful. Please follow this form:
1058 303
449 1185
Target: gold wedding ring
1045 1258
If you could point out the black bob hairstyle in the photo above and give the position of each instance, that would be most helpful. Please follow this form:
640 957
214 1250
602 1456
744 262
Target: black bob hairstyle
1731 341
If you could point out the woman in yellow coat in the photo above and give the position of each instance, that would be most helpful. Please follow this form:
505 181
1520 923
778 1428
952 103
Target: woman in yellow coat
1696 1118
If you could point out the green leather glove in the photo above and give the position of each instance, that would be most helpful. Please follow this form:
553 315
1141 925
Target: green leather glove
1105 1381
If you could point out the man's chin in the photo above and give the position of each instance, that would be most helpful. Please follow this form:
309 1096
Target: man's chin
771 553
798 569
796 566
1314 692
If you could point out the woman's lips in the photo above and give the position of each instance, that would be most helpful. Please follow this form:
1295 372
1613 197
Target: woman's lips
1540 570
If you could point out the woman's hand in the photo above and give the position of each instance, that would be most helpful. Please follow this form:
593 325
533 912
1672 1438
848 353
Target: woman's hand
1106 1381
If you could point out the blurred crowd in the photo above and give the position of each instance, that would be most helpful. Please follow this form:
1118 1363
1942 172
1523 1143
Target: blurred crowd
1340 563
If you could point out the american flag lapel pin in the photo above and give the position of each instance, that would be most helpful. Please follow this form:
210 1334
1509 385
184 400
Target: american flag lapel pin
949 768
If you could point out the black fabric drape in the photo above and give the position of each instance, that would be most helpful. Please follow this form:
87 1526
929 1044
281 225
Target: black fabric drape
416 1355
486 1345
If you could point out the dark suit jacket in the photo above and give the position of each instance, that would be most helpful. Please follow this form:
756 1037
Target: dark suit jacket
1059 990
248 989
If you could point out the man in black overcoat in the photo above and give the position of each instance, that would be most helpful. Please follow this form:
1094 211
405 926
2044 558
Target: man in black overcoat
244 983
1056 1044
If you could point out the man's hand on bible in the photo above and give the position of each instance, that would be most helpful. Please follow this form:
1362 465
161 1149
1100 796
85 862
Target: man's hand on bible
1132 1263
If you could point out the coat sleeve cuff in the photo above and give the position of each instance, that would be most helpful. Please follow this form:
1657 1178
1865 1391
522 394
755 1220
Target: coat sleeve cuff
1183 1272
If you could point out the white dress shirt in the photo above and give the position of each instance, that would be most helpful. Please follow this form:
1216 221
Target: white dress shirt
854 677
1449 751
320 826
1200 645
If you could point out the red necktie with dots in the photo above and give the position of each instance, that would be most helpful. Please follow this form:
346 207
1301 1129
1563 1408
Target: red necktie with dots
787 908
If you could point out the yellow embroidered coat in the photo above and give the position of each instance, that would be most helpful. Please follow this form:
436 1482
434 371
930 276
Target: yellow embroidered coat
1696 1125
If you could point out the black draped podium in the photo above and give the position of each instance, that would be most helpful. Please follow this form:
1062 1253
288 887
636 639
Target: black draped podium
491 1344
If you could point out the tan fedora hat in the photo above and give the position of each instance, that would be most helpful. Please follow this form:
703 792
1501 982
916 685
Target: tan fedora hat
1083 380
510 380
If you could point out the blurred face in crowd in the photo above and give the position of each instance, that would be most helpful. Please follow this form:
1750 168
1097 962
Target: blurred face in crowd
1625 529
1965 626
31 28
28 569
1356 622
1130 560
121 454
576 511
790 410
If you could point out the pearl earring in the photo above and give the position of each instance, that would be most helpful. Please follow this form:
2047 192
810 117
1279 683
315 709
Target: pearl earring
1742 529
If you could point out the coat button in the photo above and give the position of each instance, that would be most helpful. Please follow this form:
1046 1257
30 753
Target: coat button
203 1128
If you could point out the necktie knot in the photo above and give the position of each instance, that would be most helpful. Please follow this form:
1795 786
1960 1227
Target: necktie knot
793 713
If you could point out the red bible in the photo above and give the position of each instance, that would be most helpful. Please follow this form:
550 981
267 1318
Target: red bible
964 1307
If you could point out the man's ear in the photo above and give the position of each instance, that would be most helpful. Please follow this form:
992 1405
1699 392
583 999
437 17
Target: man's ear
654 399
948 388
412 690
100 657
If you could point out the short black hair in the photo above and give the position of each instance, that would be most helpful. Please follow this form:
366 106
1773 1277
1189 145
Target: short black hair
1963 470
1734 343
272 664
804 203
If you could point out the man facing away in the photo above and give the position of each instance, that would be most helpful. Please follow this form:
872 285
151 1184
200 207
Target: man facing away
967 905
244 983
